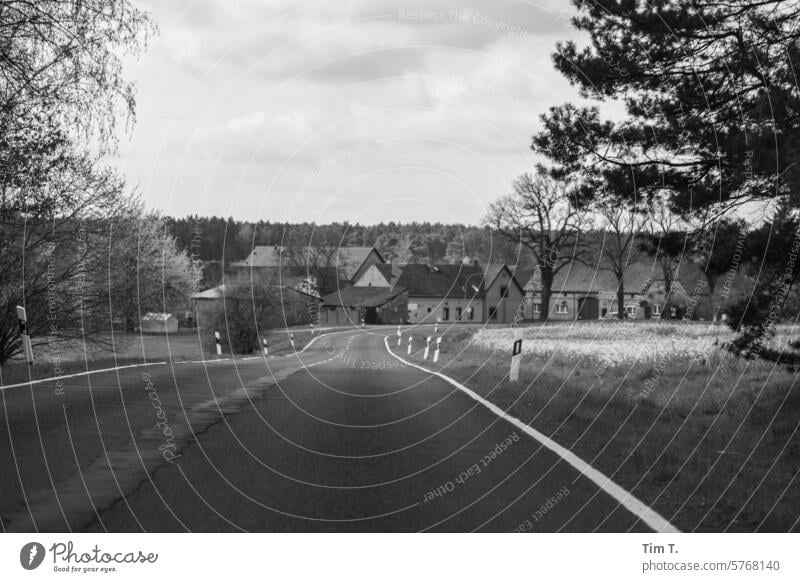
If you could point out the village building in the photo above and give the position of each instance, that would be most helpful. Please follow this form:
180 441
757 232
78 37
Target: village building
586 292
461 293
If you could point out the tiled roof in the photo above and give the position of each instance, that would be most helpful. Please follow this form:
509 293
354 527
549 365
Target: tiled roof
523 276
264 256
639 276
348 259
386 272
442 280
351 296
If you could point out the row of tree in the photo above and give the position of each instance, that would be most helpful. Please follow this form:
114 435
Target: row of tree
221 239
77 248
711 127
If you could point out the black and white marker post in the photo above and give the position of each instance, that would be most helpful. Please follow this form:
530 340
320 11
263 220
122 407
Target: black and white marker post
218 342
436 351
291 339
399 336
409 345
23 331
436 326
516 355
265 345
427 347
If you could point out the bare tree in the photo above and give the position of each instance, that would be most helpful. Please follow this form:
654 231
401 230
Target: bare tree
542 215
316 255
622 223
668 238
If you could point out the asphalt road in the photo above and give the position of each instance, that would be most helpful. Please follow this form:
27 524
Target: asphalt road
341 438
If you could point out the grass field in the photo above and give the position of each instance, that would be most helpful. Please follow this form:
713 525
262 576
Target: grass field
709 440
134 348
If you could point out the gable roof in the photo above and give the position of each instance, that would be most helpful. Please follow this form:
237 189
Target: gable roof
452 281
639 277
348 259
352 296
493 271
523 276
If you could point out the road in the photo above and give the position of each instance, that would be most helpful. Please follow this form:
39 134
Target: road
343 437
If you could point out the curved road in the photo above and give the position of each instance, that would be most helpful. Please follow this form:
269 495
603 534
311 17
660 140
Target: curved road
343 437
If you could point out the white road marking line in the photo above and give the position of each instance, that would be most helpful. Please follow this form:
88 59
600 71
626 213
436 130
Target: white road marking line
57 378
645 513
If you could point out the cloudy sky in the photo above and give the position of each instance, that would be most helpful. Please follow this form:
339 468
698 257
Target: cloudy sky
332 110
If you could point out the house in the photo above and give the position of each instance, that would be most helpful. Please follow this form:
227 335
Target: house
349 263
585 292
373 298
461 293
368 304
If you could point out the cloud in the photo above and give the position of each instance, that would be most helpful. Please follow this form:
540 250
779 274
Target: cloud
255 95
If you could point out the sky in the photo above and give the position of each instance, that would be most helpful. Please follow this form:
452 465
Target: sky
341 110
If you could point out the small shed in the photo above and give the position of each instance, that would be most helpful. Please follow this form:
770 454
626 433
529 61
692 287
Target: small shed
159 323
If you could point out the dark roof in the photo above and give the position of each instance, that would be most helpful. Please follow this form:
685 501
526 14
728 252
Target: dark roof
352 296
639 276
493 270
348 259
452 281
386 271
523 276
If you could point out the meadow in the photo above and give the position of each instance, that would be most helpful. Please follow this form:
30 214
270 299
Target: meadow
708 439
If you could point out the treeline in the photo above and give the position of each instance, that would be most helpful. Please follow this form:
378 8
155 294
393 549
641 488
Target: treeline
217 239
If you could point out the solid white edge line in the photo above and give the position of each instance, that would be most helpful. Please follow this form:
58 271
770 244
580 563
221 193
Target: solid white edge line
57 378
76 375
645 513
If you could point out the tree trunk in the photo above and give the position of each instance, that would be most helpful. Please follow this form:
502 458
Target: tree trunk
547 291
666 270
620 299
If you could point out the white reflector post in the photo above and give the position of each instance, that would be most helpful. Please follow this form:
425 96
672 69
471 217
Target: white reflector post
516 355
436 351
427 347
409 345
399 336
291 339
436 326
218 342
23 331
266 345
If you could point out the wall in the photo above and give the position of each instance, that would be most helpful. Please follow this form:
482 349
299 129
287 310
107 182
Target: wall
420 313
371 278
506 308
372 259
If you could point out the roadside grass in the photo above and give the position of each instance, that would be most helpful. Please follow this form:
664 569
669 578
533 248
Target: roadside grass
711 445
63 359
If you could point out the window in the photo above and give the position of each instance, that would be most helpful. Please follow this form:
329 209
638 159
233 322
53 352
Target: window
458 313
445 313
630 310
562 307
656 309
471 311
493 312
503 291
537 307
429 309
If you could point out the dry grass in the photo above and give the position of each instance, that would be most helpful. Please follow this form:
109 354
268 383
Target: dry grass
711 445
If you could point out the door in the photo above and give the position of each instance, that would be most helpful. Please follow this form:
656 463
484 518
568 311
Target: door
588 308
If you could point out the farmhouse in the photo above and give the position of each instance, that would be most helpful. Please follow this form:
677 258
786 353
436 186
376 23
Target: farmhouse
349 263
582 292
461 293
